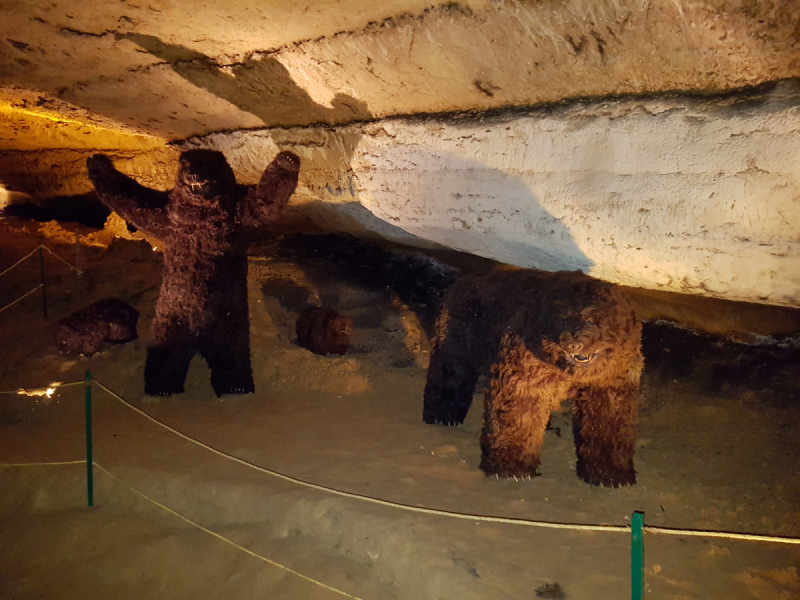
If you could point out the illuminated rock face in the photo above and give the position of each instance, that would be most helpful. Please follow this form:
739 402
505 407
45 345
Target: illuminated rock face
668 192
676 194
179 68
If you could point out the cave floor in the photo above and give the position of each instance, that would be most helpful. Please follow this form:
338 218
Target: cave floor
717 450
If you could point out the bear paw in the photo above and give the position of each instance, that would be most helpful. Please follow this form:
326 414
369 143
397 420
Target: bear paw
604 476
234 390
442 421
450 415
98 164
162 392
517 472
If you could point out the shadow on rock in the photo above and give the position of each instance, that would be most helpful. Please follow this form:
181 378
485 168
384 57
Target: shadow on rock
261 86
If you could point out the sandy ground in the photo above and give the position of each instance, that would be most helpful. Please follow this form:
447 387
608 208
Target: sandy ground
717 449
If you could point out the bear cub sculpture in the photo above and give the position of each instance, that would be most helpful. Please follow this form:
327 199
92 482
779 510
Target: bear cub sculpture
323 331
546 338
85 330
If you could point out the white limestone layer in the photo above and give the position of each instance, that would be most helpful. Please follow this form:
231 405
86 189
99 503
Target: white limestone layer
680 194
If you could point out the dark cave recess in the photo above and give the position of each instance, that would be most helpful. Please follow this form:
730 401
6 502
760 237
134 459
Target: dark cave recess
716 365
719 364
84 209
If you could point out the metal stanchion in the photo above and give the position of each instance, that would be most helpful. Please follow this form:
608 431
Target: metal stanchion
89 464
637 555
44 289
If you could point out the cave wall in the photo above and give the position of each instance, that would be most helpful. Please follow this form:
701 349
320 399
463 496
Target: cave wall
648 142
690 195
175 69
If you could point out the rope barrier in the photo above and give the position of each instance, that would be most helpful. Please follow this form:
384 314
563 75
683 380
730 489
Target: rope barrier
45 464
444 513
224 539
721 534
22 297
27 256
41 285
23 259
62 260
186 519
370 499
40 391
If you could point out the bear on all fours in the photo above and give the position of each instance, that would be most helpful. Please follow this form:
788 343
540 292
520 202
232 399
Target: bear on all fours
546 338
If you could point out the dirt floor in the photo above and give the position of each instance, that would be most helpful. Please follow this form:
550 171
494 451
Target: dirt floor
717 450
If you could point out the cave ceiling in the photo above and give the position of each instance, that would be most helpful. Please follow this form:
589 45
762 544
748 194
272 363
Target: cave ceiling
172 69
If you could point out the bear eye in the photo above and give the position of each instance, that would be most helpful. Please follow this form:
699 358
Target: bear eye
582 358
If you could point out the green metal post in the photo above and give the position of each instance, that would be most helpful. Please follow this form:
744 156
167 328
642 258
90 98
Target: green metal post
637 555
44 289
89 470
78 253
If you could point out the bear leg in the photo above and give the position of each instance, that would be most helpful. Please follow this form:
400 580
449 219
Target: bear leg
230 373
450 383
166 368
227 353
513 432
603 424
522 393
168 356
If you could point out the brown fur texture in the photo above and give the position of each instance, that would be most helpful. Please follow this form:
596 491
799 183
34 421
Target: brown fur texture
323 331
547 338
85 330
207 222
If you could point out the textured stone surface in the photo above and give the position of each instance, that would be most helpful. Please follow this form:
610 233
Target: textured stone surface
60 172
43 148
680 194
179 68
635 183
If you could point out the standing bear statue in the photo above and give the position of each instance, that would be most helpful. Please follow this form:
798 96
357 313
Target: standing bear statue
207 223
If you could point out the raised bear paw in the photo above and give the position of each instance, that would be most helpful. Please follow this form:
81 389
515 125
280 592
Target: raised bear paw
98 164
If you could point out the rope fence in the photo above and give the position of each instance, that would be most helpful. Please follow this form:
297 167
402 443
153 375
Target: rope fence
636 529
25 295
45 464
444 513
42 286
20 261
187 520
226 540
361 497
43 391
70 265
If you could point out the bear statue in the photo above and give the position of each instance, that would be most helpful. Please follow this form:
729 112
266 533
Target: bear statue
207 223
323 331
546 338
86 330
